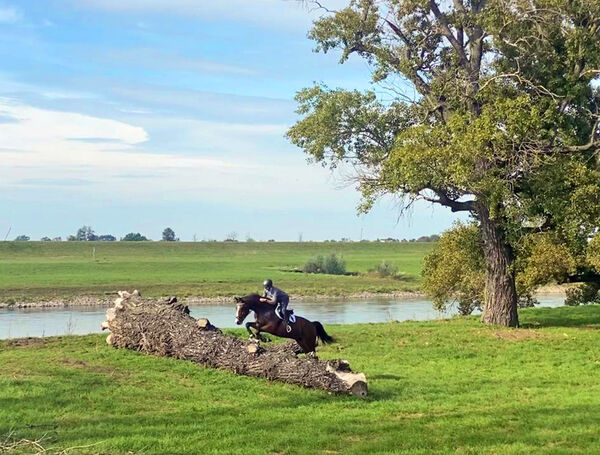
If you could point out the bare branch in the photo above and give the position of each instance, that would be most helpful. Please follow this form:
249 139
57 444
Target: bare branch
592 142
445 200
408 50
447 32
585 73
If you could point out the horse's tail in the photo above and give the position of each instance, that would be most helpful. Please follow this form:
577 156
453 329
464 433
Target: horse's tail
322 334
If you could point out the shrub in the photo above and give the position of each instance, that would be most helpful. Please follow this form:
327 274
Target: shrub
583 294
334 265
331 265
386 269
314 265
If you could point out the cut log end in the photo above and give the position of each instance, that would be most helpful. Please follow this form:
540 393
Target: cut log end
203 323
126 295
253 348
356 382
111 314
359 389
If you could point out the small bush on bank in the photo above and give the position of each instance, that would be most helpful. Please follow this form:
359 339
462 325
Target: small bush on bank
386 269
583 294
331 265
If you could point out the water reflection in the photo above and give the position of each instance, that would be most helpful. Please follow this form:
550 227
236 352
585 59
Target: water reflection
82 320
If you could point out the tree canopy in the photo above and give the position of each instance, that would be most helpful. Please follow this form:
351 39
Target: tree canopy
86 233
134 237
492 107
168 235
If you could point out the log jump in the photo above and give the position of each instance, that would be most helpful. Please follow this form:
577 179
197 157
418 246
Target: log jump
165 328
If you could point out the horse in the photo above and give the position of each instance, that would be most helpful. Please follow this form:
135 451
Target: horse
305 332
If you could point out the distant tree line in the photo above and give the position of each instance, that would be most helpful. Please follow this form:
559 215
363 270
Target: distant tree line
423 238
87 234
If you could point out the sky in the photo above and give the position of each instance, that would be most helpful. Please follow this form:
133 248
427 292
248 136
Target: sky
135 115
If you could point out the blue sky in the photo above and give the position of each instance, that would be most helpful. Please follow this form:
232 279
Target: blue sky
134 115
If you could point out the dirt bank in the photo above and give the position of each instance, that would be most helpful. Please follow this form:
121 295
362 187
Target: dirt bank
102 301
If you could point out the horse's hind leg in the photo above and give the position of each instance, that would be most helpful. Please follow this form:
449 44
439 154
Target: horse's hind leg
309 340
312 348
262 338
307 347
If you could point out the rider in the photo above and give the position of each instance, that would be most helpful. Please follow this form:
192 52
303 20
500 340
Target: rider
277 297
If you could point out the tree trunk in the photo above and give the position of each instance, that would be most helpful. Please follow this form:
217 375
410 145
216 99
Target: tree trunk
501 299
167 329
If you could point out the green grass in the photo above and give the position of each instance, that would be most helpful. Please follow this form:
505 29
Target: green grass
437 387
42 270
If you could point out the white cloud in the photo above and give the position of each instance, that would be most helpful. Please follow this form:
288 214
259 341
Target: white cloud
38 130
10 15
44 148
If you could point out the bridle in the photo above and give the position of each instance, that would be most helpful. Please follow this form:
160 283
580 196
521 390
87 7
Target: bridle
241 312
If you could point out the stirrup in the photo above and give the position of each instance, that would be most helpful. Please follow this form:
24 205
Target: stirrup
288 328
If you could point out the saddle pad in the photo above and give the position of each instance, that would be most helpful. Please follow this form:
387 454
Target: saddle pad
291 316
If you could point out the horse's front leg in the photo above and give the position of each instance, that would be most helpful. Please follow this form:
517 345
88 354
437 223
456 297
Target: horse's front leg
256 335
253 325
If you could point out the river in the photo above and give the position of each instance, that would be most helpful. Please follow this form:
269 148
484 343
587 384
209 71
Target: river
79 320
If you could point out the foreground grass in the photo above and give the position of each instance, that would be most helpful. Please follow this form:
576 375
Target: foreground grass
46 270
436 387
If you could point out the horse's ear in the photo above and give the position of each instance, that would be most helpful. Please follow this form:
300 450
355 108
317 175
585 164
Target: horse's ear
237 299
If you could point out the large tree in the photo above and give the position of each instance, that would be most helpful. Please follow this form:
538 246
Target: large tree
493 111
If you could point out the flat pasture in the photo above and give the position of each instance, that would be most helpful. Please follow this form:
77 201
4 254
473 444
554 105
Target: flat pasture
32 271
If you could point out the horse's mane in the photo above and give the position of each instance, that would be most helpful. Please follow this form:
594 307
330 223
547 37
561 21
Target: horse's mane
255 300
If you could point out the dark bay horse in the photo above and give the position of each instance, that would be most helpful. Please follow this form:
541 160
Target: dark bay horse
303 331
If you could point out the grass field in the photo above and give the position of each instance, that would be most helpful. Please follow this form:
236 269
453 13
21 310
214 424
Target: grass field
46 270
438 387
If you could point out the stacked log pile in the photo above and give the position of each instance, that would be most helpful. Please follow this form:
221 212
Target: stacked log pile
166 329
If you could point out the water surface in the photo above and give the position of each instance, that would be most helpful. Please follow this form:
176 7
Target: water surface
38 322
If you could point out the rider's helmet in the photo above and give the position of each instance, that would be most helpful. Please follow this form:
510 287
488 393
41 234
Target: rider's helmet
268 284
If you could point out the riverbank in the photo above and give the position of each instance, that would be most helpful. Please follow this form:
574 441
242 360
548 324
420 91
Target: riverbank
435 387
67 274
107 301
95 301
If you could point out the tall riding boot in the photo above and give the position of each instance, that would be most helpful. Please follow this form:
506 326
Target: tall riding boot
288 328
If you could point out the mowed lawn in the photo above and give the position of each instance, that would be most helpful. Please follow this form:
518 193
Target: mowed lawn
437 387
42 270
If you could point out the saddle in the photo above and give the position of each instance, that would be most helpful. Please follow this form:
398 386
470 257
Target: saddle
291 315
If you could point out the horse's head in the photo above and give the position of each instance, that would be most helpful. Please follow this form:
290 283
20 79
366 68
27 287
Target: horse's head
243 306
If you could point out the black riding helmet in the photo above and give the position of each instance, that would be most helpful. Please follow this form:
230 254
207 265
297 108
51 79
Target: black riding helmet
268 284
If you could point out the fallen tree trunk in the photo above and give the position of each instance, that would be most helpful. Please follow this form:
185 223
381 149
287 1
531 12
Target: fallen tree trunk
167 329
